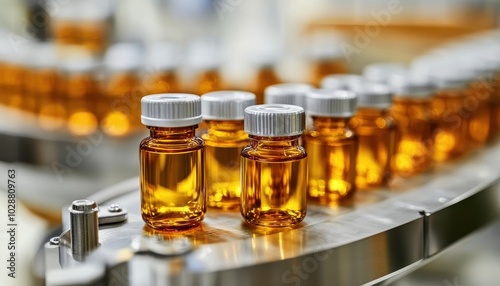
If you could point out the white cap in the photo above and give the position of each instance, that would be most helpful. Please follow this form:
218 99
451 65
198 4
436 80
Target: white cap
451 78
331 103
226 104
341 81
171 110
124 57
380 72
287 93
374 95
410 85
274 120
163 56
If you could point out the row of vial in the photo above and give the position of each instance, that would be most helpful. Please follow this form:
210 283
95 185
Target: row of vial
359 135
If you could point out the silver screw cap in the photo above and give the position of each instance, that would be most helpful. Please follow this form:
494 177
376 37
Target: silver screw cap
331 103
171 110
287 93
410 85
274 120
341 81
373 95
226 104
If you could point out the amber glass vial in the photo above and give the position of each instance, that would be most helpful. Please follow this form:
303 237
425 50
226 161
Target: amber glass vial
223 112
172 162
162 60
80 93
274 166
478 104
448 110
411 110
266 76
376 132
331 145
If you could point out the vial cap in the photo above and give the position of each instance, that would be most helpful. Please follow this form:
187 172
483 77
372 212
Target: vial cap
171 110
287 93
374 95
451 78
380 72
226 104
410 85
341 81
331 103
274 120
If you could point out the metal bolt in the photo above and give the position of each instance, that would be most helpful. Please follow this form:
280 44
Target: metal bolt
55 240
114 208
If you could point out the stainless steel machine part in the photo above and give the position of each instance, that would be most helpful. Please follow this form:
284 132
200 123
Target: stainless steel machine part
84 228
377 235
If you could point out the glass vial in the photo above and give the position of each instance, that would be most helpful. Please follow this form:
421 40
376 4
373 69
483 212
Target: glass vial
288 93
266 76
223 112
411 110
274 166
331 145
172 162
478 105
376 131
450 137
381 72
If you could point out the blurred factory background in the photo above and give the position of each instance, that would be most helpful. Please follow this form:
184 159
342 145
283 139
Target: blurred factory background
72 72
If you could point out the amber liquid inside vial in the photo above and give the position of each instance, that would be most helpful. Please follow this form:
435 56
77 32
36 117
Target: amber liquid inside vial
451 134
376 132
478 106
172 178
224 142
162 82
81 91
414 136
273 181
208 81
331 149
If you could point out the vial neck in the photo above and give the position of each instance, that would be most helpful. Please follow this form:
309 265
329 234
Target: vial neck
172 133
320 123
225 127
274 142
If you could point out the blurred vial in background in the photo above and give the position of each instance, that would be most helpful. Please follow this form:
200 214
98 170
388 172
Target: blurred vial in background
411 110
80 92
331 145
448 110
162 61
83 23
478 104
223 112
376 132
120 107
265 59
14 75
341 81
45 87
381 72
325 55
205 58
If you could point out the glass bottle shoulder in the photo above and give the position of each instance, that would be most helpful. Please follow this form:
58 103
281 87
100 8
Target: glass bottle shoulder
274 151
171 146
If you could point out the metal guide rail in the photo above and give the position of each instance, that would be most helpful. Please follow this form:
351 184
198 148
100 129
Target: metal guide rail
366 240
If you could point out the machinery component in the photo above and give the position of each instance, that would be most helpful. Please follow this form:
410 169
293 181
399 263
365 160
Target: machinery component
84 228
